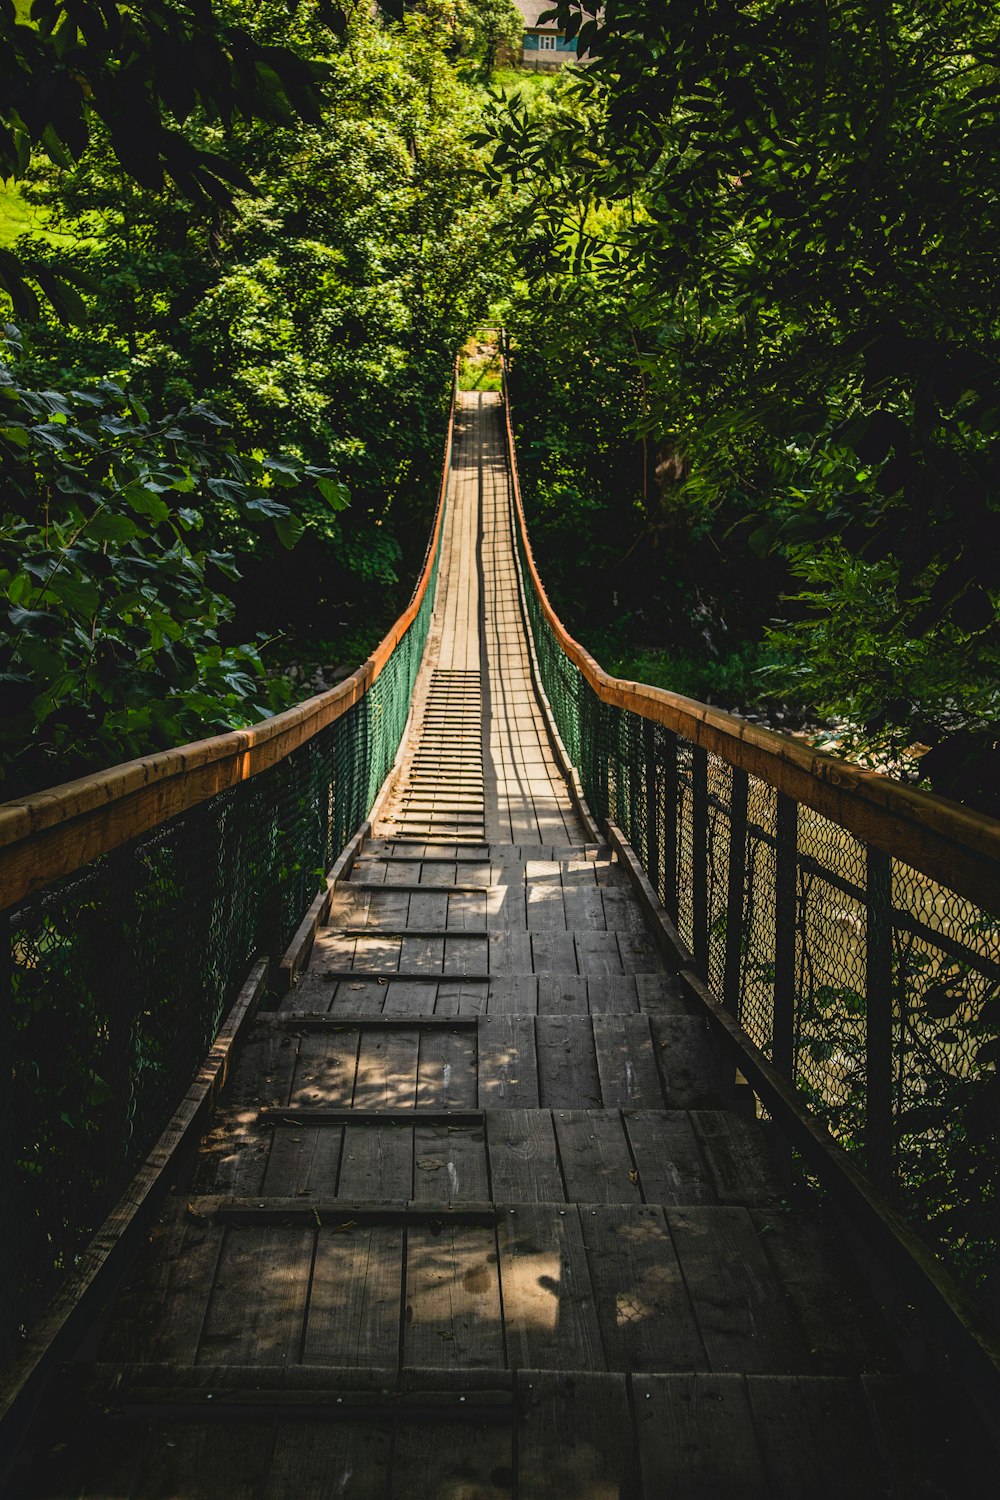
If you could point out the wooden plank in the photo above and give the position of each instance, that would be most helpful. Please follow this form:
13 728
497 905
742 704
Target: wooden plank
596 1163
421 955
523 1161
377 1163
308 1021
554 953
428 910
452 1316
743 1318
638 953
626 1062
510 953
696 1438
257 1308
646 1318
662 994
575 1438
162 1311
387 1070
449 1164
508 1070
688 1062
342 1212
670 1165
325 1071
841 1320
737 1158
514 996
567 1066
314 1460
613 995
407 1001
404 1116
463 1461
585 910
459 999
550 1314
354 1303
815 1438
466 911
543 905
563 995
202 1461
447 1069
301 1162
464 955
598 953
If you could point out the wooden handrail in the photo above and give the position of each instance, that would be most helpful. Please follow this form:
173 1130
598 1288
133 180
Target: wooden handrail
948 843
52 833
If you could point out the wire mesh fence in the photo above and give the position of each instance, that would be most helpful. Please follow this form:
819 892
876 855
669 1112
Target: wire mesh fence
872 987
120 973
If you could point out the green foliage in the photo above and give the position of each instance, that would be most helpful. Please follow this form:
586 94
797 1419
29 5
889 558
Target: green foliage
112 573
789 201
318 316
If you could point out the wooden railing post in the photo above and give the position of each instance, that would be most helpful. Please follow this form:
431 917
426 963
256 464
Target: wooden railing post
736 893
785 882
878 1020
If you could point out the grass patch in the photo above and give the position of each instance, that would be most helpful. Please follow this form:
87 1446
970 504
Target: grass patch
523 80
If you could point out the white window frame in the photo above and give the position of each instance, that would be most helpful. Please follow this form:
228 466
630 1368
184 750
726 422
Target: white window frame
546 43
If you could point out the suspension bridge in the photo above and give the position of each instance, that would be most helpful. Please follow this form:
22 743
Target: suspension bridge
491 1078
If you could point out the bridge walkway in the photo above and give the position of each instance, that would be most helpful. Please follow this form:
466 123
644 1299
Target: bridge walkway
474 1218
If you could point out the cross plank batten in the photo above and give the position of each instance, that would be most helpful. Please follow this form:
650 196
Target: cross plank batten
475 1215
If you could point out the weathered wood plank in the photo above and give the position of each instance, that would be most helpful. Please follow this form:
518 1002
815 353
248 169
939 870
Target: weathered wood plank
550 1314
508 1070
452 1317
596 1163
467 1462
567 1066
737 1157
743 1317
354 1305
575 1438
313 1460
257 1307
646 1318
524 1163
377 1163
449 1164
670 1165
688 1062
815 1438
626 1062
696 1438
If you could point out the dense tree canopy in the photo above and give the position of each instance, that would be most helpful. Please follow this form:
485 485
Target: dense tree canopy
314 319
795 203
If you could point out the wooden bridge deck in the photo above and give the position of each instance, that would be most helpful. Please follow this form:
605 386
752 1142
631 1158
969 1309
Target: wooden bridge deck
474 1219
